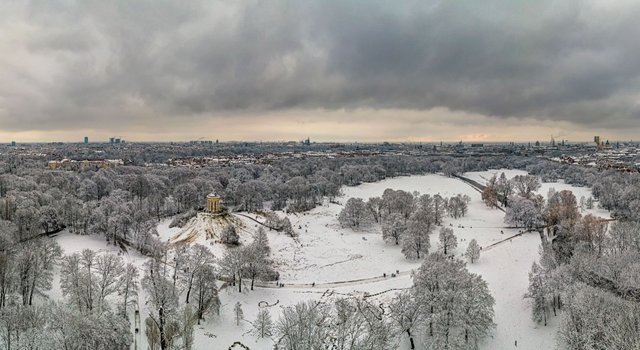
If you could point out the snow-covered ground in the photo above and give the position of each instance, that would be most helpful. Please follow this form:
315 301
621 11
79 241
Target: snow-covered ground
343 261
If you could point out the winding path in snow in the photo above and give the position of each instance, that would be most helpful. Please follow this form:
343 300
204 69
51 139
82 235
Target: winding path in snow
334 284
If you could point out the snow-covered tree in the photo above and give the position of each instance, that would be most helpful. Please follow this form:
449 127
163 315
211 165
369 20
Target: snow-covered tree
458 205
355 214
504 189
439 208
34 262
128 286
231 266
415 241
393 228
561 206
448 240
163 306
456 306
592 231
238 314
473 251
399 202
375 205
538 293
523 212
254 264
305 325
229 235
261 241
263 326
597 319
490 193
525 185
108 270
196 258
286 227
68 328
624 236
357 324
206 293
406 314
187 322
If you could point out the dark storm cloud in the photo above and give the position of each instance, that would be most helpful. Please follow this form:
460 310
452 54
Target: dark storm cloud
77 64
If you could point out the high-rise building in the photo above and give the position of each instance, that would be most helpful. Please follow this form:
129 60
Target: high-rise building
112 139
13 143
86 140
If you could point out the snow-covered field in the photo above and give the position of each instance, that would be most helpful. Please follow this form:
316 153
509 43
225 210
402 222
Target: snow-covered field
343 261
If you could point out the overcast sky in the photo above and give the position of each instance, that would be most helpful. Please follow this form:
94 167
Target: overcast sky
346 70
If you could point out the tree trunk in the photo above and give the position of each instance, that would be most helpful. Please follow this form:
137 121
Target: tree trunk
163 339
189 289
413 346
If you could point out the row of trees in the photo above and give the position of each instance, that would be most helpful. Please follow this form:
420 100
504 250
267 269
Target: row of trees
249 262
447 308
97 288
586 269
598 287
189 276
405 218
100 292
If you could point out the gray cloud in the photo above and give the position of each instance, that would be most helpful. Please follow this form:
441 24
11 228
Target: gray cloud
116 64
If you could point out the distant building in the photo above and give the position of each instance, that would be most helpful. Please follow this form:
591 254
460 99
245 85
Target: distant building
13 143
213 204
86 140
112 140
